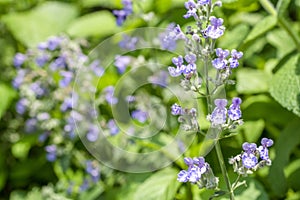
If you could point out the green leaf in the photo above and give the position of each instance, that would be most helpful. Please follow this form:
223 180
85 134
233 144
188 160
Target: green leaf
284 145
233 38
36 25
250 131
251 81
281 6
282 41
20 149
100 24
261 27
285 85
161 185
254 191
162 6
7 94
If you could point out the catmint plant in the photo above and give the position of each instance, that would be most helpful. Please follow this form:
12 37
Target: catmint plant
195 69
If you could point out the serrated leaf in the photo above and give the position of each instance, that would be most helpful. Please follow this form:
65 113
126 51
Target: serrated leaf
261 27
100 23
7 94
285 85
161 185
36 25
284 145
281 6
251 81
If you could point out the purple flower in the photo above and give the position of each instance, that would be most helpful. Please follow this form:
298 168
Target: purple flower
109 95
93 133
17 82
59 62
67 77
93 170
84 186
215 29
42 60
178 62
53 43
128 43
204 2
130 98
235 56
51 152
139 115
191 6
19 59
160 78
38 90
113 128
218 116
96 68
234 111
43 116
122 62
249 160
191 66
176 109
21 106
220 62
43 137
121 16
70 126
69 102
263 150
167 42
183 176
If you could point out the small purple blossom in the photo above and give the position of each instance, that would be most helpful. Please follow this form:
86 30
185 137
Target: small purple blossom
93 170
122 62
69 102
31 125
109 95
58 63
234 111
41 60
112 126
191 66
67 77
19 59
178 62
218 116
17 82
93 133
204 2
22 105
176 109
249 160
215 29
51 152
167 42
124 13
53 43
220 62
191 7
38 89
43 137
128 43
139 115
235 56
263 150
97 68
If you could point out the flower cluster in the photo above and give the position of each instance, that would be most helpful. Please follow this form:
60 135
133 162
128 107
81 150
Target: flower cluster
252 158
181 68
124 13
198 172
223 118
187 117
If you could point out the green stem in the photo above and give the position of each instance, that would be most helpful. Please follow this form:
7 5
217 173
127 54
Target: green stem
223 169
281 21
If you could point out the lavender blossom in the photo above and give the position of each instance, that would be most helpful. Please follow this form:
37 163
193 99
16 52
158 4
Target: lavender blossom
215 29
19 59
97 68
249 159
176 109
93 133
109 95
218 116
191 7
220 62
140 115
112 126
235 56
53 43
263 149
51 152
67 77
93 170
22 105
18 80
128 43
234 112
122 62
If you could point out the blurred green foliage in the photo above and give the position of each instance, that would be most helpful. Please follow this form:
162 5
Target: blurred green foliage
269 84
